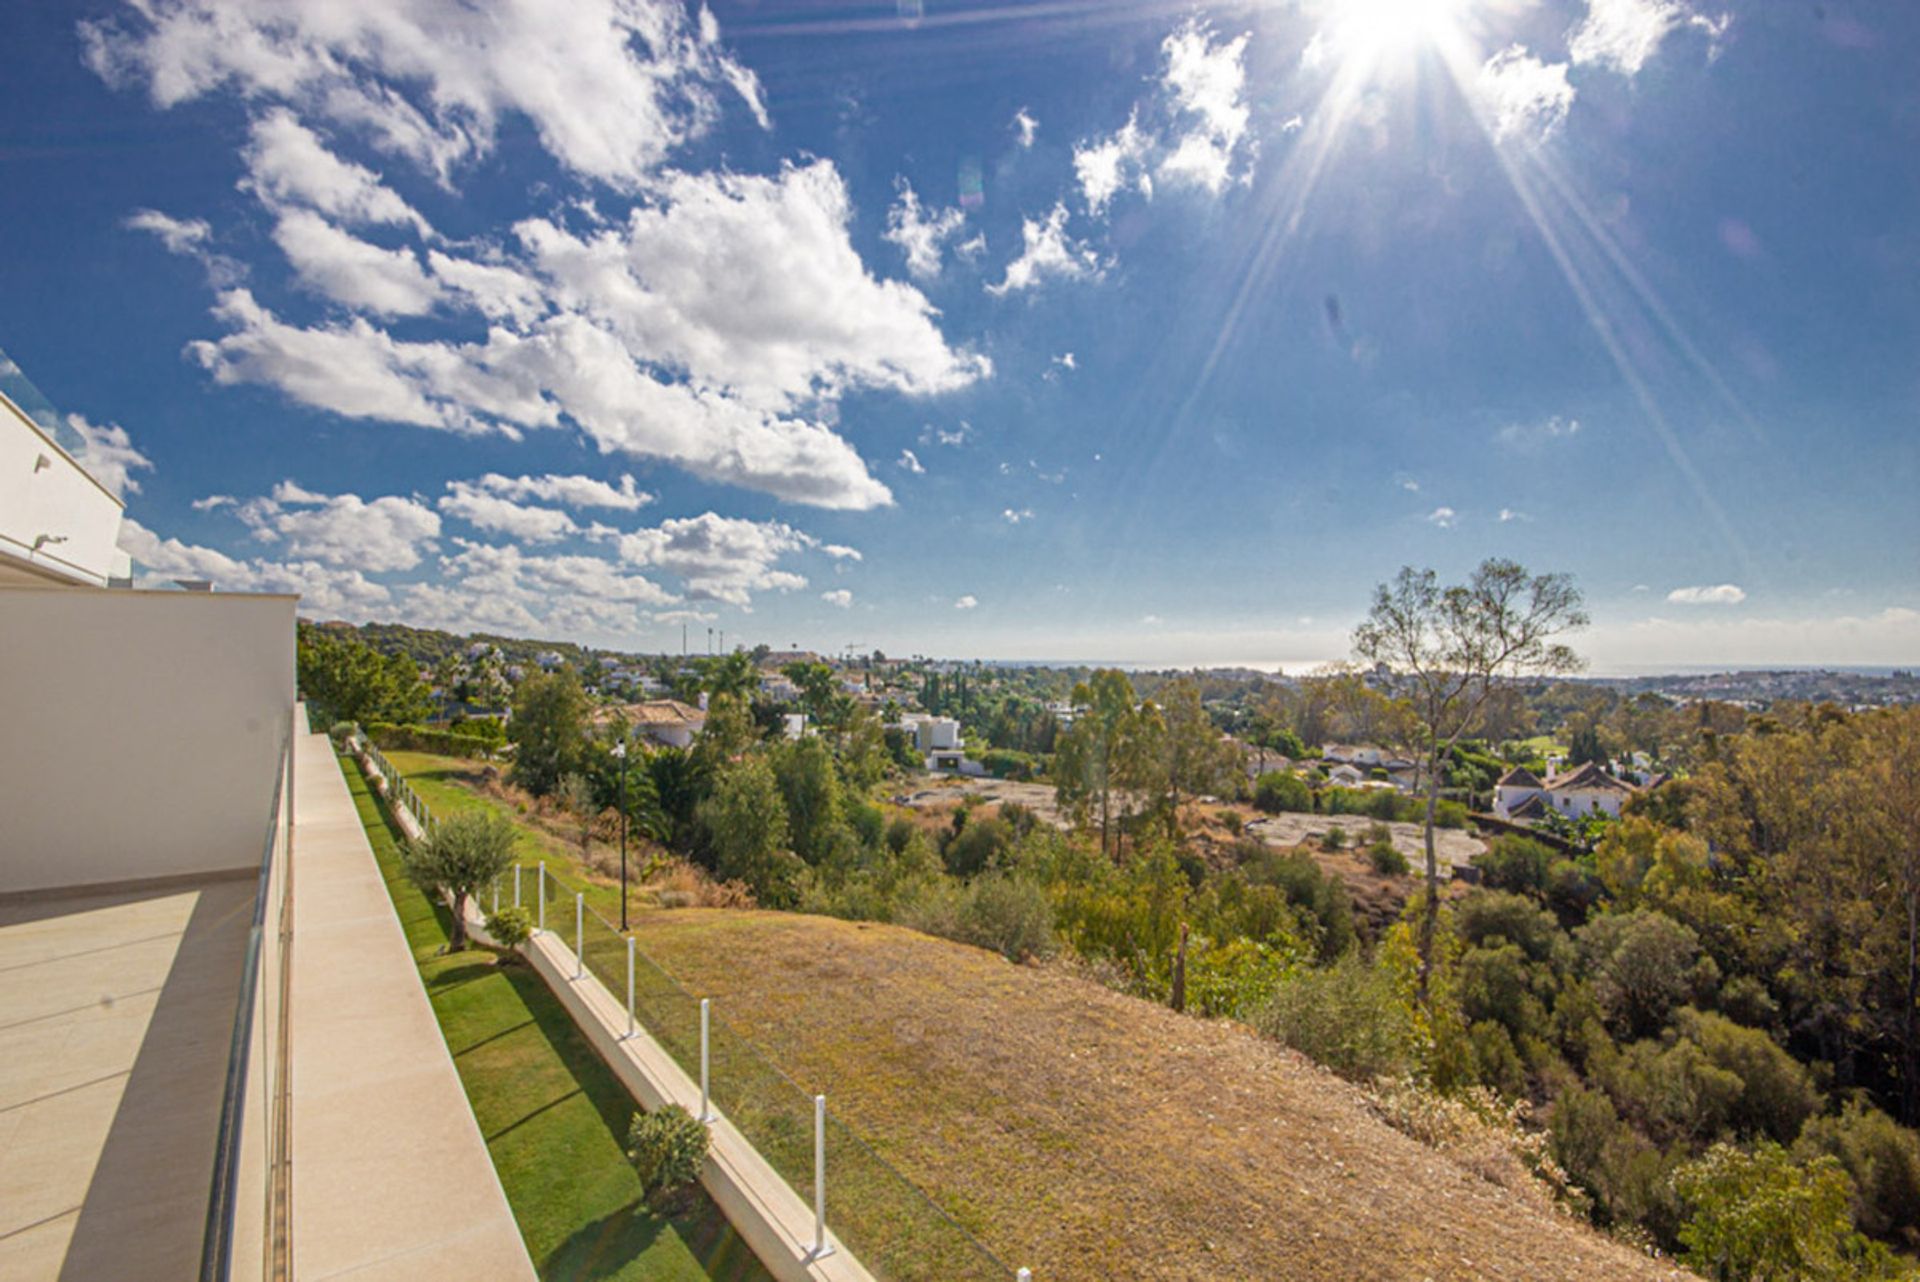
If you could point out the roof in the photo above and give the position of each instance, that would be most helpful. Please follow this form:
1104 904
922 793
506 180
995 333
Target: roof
1534 807
654 712
1518 777
1588 776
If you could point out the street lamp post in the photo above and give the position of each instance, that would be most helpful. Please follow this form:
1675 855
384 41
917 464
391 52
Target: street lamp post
620 751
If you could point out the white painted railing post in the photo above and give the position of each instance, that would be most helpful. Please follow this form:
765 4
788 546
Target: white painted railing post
496 896
1023 1275
579 935
516 885
629 985
706 1011
819 1176
541 894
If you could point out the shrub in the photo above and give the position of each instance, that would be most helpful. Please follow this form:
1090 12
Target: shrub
1644 964
1279 790
1882 1157
447 743
1778 1094
1386 860
1519 920
1348 1017
977 847
667 1149
1517 864
343 734
510 928
1450 814
1745 999
1335 839
1231 821
1009 915
1759 1215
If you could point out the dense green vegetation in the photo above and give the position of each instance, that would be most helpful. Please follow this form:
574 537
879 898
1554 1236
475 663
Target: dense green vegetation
555 1117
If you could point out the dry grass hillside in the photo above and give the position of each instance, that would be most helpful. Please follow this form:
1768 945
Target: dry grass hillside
1091 1135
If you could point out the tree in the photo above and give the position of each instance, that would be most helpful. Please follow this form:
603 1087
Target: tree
1095 757
1195 758
576 794
1759 1215
548 730
746 817
1452 646
811 789
456 857
352 681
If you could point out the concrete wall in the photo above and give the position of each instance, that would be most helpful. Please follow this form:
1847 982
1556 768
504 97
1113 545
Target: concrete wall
43 492
139 732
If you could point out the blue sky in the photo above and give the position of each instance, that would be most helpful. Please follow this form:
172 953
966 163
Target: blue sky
1132 331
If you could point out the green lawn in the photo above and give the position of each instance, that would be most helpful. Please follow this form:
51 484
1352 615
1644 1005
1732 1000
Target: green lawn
553 1114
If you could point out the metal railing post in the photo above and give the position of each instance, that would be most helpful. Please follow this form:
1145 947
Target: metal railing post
706 1010
516 885
629 985
1023 1275
579 935
541 894
819 1176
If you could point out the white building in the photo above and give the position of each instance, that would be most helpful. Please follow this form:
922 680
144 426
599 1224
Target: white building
1520 795
57 523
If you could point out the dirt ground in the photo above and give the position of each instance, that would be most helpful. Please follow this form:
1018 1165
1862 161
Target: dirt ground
1452 846
945 790
1090 1135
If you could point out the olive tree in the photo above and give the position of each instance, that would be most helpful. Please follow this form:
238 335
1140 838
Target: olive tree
458 856
1451 648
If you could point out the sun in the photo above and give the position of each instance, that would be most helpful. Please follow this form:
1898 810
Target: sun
1365 33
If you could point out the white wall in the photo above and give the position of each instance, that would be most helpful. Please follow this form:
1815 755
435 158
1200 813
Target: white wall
139 732
44 492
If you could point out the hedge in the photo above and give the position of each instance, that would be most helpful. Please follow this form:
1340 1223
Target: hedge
447 743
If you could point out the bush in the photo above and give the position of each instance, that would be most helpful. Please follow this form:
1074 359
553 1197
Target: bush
1007 914
1231 821
667 1149
1386 860
1348 1017
1335 839
1644 964
1759 1215
1778 1094
1278 790
447 743
1450 814
510 927
1004 763
977 847
1882 1157
343 734
1517 864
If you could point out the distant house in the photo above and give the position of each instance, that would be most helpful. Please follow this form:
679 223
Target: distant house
665 721
1521 796
1365 755
1342 775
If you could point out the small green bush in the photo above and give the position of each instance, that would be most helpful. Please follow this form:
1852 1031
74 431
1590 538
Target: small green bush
1335 839
1231 821
1348 1017
1279 790
666 1149
1386 860
1882 1157
510 927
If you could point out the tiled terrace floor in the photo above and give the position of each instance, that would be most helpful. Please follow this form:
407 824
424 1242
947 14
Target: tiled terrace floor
116 1012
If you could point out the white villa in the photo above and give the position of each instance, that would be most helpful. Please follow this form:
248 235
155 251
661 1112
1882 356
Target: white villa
1521 796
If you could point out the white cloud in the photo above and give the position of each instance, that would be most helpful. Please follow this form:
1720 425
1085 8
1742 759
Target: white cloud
341 266
491 512
288 165
110 456
1049 251
838 597
1013 517
1718 594
1535 434
967 602
1066 361
179 235
1205 80
1624 34
1443 517
920 232
213 502
841 552
1510 514
387 533
1524 97
911 462
751 284
719 558
574 491
610 87
955 438
323 589
499 291
1105 167
1026 127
